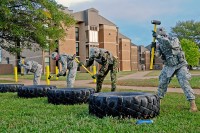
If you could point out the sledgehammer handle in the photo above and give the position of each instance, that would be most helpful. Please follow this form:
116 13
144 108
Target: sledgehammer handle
84 67
153 50
155 22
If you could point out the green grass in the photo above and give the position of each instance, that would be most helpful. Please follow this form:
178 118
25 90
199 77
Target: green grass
153 82
79 76
36 115
157 72
7 81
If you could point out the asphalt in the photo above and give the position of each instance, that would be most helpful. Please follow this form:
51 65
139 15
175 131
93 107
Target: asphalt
87 83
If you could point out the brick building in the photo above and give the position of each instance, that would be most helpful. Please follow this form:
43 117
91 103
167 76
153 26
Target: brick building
91 30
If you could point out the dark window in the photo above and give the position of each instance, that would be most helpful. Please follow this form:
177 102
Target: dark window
77 33
77 49
94 28
87 51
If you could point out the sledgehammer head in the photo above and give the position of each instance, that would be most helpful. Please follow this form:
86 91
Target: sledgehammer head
156 22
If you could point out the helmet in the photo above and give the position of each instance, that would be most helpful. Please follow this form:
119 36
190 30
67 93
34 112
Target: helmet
54 55
161 31
94 52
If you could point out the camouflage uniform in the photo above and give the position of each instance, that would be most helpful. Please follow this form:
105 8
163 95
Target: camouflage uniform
69 63
108 63
35 68
170 50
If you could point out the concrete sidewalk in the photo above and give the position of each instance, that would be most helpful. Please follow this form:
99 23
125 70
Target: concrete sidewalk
138 75
87 83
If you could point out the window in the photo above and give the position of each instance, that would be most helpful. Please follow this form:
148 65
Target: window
87 51
94 28
93 36
46 61
77 33
77 48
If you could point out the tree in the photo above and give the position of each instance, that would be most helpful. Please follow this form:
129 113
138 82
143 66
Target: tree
24 23
187 30
191 52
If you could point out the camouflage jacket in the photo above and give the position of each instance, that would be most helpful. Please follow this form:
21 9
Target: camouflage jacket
170 51
67 62
105 59
31 66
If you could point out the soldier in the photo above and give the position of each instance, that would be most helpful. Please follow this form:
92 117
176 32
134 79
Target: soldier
35 68
169 49
108 63
67 62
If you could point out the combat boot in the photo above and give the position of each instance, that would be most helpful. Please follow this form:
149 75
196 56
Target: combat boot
193 107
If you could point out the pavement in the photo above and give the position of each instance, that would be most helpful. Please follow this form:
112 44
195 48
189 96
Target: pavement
87 83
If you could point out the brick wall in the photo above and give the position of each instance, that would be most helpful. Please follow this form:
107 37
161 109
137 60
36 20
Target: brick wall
6 69
107 38
134 58
125 54
147 59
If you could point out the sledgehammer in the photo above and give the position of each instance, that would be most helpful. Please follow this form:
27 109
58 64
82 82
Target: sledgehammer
153 44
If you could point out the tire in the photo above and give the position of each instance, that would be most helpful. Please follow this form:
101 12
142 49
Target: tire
34 91
10 87
124 104
69 96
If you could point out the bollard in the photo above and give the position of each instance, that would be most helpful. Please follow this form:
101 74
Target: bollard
47 75
94 72
15 73
56 72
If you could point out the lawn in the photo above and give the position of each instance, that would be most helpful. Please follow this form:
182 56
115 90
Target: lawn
37 115
153 82
157 72
7 81
79 76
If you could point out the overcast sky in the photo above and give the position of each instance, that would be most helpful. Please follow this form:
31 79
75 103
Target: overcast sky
133 17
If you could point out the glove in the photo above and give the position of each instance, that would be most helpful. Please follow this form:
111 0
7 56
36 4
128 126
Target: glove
154 34
20 63
153 45
49 77
58 75
80 64
64 74
94 76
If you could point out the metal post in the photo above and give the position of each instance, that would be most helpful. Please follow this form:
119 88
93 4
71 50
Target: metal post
15 73
47 75
94 72
56 72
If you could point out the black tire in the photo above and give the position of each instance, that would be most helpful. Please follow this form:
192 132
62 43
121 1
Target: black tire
34 91
69 96
10 87
125 104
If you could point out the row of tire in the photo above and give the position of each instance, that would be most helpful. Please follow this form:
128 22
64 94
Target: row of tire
117 104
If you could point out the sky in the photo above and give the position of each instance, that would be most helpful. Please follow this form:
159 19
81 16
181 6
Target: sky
133 17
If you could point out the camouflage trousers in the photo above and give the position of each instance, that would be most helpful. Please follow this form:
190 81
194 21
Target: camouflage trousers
183 77
113 75
37 75
71 75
